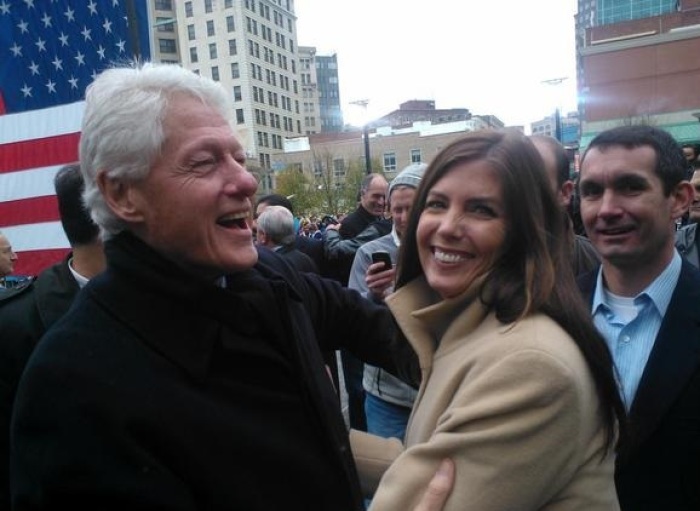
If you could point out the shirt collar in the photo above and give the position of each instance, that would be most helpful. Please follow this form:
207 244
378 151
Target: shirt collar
659 291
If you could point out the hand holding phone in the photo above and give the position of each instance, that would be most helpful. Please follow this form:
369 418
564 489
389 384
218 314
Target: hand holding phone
382 257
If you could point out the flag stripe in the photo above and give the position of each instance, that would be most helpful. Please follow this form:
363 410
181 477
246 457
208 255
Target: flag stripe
44 235
49 122
30 154
27 183
29 211
32 262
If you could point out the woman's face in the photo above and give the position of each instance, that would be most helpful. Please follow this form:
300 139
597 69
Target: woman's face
462 228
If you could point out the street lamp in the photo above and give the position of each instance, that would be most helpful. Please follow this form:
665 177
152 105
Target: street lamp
365 134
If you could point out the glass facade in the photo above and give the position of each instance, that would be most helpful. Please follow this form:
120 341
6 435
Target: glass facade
615 11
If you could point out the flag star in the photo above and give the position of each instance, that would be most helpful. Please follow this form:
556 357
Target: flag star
86 33
101 52
64 39
115 3
80 58
22 25
51 86
16 50
73 82
120 45
69 14
107 25
26 91
4 8
93 7
34 68
41 44
30 4
57 63
46 20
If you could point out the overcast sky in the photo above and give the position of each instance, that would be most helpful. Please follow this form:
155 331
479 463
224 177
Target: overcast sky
485 55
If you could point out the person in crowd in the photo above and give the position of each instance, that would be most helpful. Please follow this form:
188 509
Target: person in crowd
276 232
388 400
691 153
369 211
645 300
28 311
687 241
583 256
312 248
518 386
8 258
188 375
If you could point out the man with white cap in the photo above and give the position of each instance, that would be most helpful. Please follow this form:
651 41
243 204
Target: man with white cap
388 400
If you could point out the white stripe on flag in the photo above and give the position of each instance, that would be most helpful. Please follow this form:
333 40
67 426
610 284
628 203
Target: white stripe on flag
41 236
28 183
49 122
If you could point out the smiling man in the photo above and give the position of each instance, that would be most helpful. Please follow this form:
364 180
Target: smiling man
646 302
188 375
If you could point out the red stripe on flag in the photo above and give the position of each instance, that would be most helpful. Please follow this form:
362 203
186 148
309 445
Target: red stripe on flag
43 152
2 105
33 262
29 211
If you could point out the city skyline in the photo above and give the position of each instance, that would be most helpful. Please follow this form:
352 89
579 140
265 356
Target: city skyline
390 52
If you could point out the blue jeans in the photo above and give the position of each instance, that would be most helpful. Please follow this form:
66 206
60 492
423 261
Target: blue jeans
385 419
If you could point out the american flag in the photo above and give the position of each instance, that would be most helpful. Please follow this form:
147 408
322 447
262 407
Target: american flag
50 50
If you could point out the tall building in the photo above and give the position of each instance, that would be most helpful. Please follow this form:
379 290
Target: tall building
637 63
321 92
250 46
329 93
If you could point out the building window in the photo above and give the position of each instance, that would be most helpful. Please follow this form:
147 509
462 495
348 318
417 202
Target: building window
237 94
165 24
210 28
228 4
235 70
416 156
190 33
339 168
164 5
193 55
389 162
230 25
215 73
213 53
207 6
240 118
232 49
188 9
167 45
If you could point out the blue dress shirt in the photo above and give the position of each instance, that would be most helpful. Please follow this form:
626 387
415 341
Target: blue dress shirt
631 342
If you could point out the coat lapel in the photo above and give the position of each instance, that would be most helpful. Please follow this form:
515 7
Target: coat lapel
674 358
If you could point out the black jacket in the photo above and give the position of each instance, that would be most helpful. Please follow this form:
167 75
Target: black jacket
159 390
26 313
658 466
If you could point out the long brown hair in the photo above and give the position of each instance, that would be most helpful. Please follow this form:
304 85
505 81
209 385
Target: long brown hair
533 273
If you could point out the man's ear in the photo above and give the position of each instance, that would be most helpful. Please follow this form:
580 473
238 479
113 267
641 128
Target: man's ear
565 193
682 195
120 198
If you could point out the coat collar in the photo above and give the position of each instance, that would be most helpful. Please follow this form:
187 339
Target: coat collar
429 322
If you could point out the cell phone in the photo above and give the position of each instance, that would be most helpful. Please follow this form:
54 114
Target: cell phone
382 257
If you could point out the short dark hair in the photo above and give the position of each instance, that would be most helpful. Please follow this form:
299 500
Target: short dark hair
561 159
274 199
76 221
671 165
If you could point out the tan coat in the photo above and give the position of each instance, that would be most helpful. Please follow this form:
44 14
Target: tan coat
514 406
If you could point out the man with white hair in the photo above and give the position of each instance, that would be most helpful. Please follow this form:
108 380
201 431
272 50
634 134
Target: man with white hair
188 374
276 232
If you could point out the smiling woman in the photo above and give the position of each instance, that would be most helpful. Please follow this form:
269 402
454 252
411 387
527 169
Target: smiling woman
517 384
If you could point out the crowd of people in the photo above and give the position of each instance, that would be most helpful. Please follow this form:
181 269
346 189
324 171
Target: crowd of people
186 353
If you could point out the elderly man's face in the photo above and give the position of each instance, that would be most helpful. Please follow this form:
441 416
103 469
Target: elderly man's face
194 205
7 257
374 198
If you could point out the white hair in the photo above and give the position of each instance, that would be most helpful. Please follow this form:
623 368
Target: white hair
122 132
